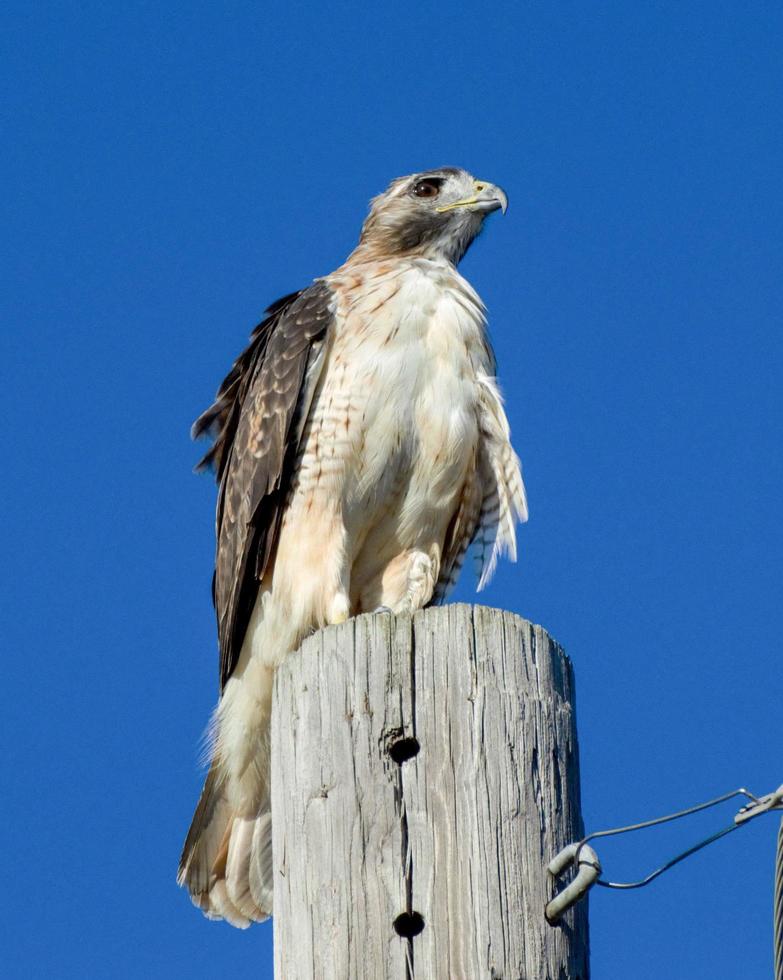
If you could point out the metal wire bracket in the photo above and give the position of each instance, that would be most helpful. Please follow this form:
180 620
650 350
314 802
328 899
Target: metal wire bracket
761 804
589 870
589 867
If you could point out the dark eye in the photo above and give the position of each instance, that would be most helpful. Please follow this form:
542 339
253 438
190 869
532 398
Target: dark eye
427 188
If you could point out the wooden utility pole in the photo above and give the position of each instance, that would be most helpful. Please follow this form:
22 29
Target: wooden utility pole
424 772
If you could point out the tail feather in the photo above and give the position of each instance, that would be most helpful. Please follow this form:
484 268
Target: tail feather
221 906
226 863
238 868
204 840
261 867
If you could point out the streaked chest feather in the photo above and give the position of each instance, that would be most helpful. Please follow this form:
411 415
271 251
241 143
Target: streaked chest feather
398 402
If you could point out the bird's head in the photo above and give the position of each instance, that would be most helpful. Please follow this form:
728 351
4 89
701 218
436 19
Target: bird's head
437 213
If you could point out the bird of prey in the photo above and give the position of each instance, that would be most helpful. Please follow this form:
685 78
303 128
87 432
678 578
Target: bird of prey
360 445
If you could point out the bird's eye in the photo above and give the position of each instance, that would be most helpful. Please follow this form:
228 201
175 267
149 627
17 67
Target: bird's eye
427 188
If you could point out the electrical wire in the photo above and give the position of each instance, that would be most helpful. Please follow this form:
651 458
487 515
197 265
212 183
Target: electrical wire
754 802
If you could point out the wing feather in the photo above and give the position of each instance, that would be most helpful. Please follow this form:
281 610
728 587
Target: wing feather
505 501
256 422
460 534
492 500
219 421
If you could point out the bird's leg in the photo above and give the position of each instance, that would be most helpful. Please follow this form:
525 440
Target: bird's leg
313 566
339 607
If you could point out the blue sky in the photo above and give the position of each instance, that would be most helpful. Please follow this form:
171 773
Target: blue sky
170 169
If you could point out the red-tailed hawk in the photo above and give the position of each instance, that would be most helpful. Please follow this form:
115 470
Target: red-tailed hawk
360 446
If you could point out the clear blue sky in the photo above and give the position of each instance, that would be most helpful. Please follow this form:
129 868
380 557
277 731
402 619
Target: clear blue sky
168 170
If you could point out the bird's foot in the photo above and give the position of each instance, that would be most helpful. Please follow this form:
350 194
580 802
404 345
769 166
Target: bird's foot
422 576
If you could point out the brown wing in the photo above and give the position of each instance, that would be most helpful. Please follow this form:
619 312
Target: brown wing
256 422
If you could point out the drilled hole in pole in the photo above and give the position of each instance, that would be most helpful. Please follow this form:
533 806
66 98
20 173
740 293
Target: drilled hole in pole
408 924
403 749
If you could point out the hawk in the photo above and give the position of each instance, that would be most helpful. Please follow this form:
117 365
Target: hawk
360 445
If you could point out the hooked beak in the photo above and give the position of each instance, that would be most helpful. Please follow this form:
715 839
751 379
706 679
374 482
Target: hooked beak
488 197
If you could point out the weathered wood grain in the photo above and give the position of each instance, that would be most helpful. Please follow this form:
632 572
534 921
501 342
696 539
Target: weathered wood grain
431 865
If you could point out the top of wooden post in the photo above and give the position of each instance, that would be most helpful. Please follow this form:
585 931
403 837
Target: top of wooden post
424 772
